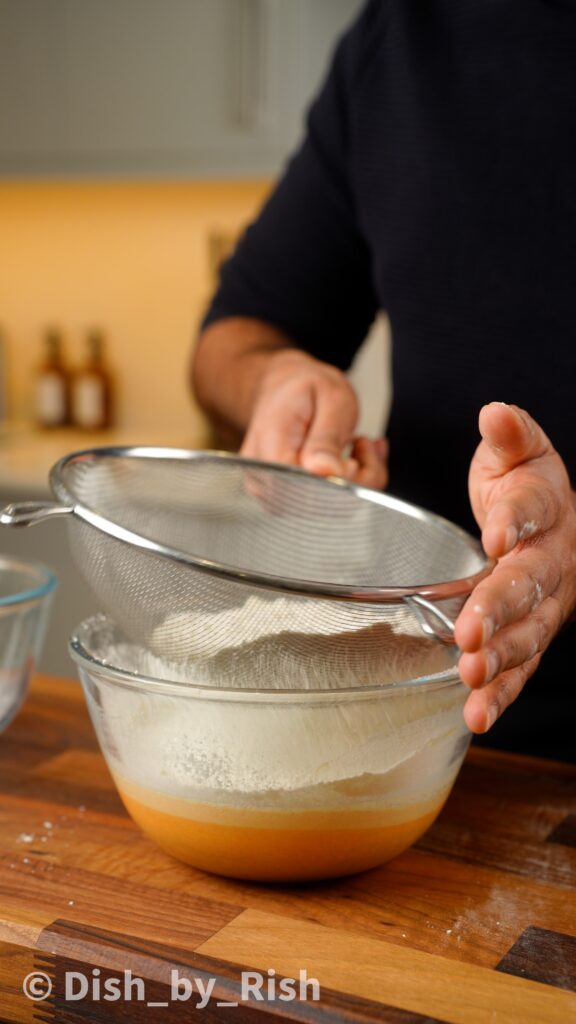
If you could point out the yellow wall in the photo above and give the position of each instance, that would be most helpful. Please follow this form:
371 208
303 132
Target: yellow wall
130 257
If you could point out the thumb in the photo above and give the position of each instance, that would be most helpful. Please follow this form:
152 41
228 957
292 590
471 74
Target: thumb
510 437
331 429
507 468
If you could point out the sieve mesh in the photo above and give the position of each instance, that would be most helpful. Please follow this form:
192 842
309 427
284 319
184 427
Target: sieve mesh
225 519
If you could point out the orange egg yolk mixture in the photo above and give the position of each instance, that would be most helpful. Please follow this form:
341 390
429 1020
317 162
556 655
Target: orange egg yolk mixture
277 845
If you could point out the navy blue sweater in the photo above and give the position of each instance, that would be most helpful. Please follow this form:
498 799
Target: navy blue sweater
437 181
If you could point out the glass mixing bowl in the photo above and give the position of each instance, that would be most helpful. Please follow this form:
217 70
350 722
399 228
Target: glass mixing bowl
26 590
271 785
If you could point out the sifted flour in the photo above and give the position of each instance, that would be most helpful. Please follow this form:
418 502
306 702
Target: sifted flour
245 749
276 644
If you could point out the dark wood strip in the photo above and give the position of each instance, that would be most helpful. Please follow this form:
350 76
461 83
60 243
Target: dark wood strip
452 841
543 955
55 718
15 755
44 889
565 832
501 814
16 962
551 782
536 797
53 793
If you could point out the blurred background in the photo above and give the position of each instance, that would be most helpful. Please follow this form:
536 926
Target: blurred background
137 139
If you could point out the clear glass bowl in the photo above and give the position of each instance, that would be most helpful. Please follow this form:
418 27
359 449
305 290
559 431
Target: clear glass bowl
26 590
271 785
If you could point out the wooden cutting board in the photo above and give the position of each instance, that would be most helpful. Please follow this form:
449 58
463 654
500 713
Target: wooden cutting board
474 925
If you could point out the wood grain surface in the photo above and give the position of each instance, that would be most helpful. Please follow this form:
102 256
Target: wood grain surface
476 924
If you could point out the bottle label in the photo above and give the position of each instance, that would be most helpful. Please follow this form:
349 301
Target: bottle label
51 399
88 402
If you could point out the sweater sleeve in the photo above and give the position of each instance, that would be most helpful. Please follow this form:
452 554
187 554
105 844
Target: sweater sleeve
304 265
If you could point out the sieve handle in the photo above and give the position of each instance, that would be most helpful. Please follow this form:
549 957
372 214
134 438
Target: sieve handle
28 513
432 620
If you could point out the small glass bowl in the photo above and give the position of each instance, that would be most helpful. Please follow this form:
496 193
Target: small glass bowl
26 590
271 785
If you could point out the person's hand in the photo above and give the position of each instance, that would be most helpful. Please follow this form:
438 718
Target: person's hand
305 414
522 499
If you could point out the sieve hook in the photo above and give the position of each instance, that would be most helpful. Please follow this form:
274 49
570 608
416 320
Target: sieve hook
432 620
28 513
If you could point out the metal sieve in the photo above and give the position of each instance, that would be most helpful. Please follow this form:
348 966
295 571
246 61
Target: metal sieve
246 570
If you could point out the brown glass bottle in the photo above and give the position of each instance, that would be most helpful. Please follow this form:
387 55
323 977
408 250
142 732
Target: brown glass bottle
92 388
52 384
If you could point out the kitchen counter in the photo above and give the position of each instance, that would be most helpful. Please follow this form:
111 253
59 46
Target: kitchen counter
474 924
27 454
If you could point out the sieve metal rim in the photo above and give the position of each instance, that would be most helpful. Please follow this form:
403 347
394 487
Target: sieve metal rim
78 651
305 588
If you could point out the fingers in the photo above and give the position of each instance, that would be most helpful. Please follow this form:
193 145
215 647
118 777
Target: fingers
514 477
484 706
512 646
312 426
503 630
367 464
505 627
521 496
331 427
305 415
517 586
372 462
277 429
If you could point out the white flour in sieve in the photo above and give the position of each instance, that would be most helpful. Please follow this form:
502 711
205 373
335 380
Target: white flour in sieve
299 644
